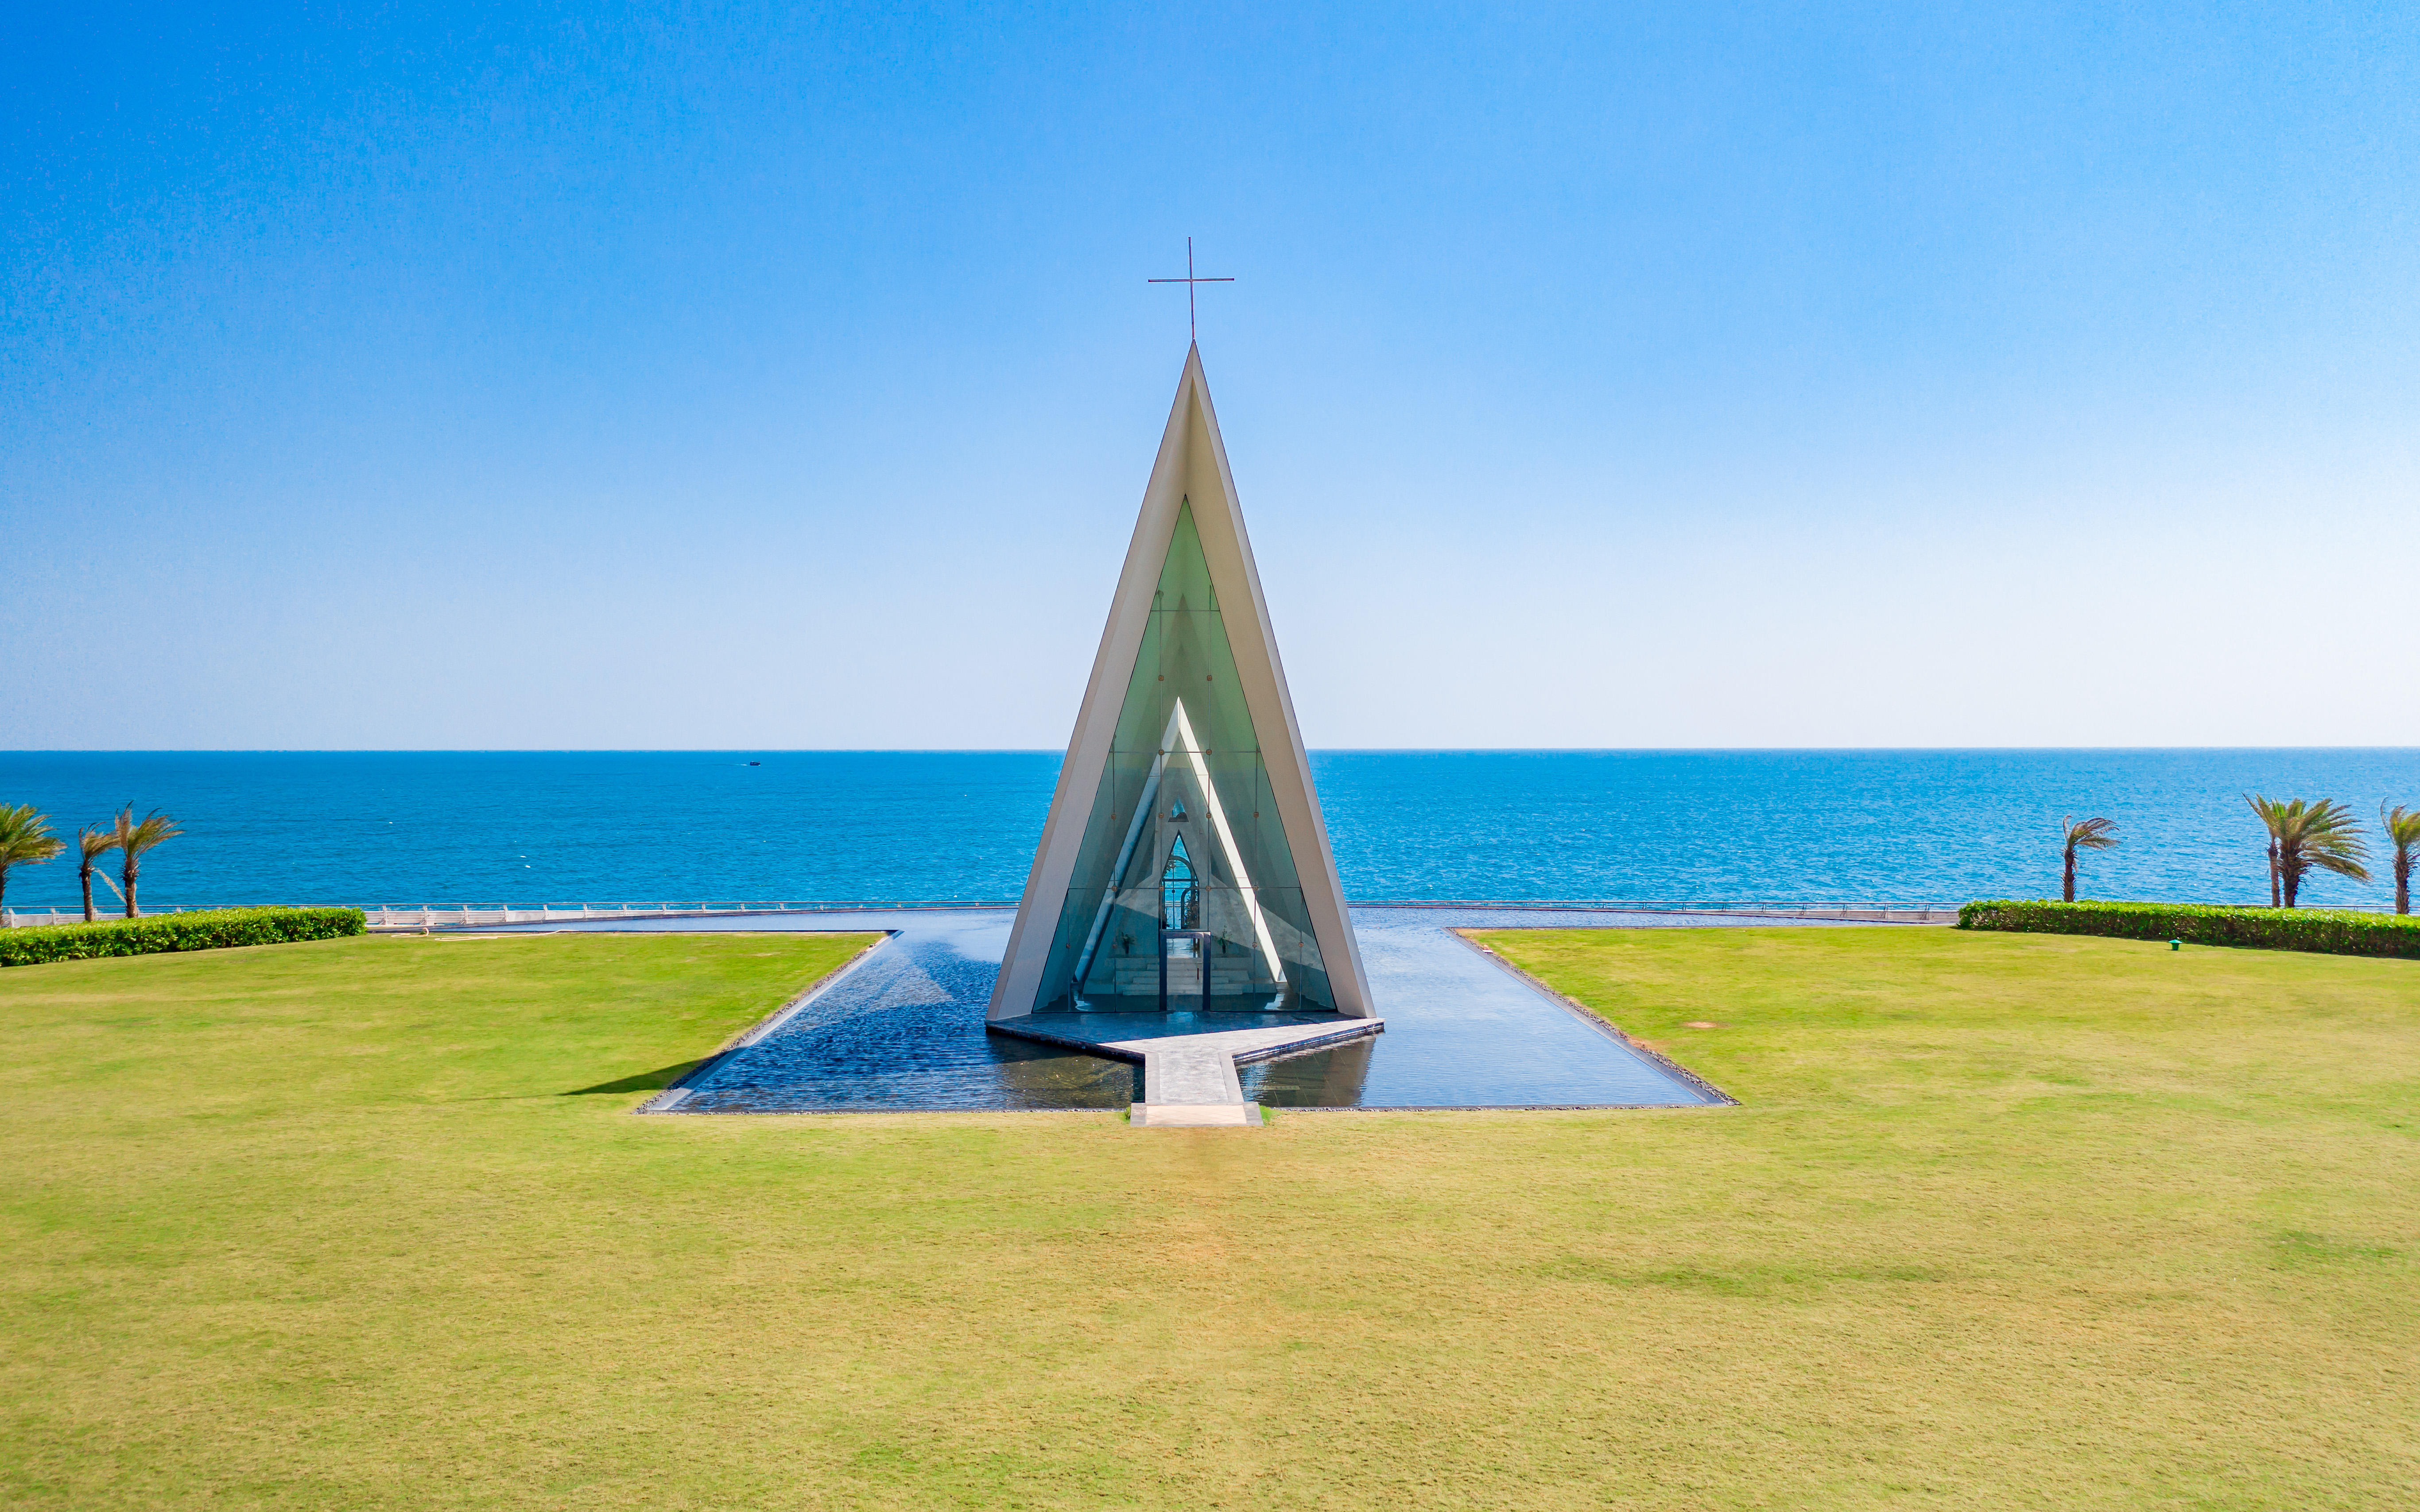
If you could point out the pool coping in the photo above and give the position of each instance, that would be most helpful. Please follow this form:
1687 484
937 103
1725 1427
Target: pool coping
1118 1049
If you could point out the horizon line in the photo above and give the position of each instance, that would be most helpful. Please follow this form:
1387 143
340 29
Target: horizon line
1043 750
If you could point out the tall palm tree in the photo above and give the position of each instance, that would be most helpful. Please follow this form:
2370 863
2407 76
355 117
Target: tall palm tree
2086 835
2306 835
91 846
25 840
133 839
2402 827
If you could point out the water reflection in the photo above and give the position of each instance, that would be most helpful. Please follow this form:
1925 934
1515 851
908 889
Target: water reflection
905 1030
1330 1078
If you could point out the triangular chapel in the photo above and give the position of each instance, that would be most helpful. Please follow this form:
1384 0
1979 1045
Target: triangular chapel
1185 862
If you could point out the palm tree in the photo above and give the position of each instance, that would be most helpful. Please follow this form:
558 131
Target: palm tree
135 838
2402 832
2086 835
25 840
2306 835
91 846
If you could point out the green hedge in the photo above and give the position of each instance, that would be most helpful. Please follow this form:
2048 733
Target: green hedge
211 931
2327 930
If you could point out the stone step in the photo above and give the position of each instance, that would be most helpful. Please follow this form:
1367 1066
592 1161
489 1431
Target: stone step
1183 978
1195 1115
1189 1080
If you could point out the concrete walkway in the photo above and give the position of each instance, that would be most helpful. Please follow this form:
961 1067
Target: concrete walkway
1190 1080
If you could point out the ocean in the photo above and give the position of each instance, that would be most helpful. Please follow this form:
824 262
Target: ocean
372 827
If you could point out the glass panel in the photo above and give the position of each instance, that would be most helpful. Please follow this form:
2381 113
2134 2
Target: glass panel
1255 941
1183 834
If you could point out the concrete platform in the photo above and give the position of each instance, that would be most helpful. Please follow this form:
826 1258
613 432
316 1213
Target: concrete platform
1197 1116
1189 1080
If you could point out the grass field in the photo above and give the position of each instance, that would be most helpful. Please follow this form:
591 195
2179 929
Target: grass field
2006 1221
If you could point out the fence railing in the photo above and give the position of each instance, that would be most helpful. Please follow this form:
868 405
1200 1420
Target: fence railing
1892 913
113 911
463 916
457 915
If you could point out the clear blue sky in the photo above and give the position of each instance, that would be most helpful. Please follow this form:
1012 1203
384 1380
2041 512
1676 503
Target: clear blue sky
591 376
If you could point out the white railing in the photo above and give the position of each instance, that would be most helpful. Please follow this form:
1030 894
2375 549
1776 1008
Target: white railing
1894 913
1899 913
468 916
460 916
113 910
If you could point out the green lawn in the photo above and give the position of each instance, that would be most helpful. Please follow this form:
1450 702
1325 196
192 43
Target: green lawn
2006 1221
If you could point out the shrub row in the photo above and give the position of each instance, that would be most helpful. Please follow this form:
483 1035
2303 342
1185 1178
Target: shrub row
2327 930
211 931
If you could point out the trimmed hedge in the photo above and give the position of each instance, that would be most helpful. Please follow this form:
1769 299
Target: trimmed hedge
2325 931
211 931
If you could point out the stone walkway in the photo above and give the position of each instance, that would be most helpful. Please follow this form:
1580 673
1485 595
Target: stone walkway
1189 1080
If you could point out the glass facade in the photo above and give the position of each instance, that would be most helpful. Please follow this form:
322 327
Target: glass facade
1184 835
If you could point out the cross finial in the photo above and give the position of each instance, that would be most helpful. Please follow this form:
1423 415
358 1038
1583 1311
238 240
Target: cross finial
1188 280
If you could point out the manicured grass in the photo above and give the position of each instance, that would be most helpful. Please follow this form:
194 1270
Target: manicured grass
2007 1221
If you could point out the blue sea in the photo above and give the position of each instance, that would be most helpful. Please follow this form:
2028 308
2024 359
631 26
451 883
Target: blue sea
372 827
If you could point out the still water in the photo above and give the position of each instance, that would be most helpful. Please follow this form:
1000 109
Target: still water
904 1029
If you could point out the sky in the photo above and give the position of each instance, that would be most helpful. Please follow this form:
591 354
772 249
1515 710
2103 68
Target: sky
556 377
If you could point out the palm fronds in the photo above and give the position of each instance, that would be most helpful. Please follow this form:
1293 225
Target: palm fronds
2095 834
91 846
134 839
2303 836
2402 827
2090 834
25 840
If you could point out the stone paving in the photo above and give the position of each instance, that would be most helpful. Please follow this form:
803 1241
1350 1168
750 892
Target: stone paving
1189 1079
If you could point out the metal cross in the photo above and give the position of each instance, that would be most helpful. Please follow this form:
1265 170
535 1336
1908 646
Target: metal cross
1188 280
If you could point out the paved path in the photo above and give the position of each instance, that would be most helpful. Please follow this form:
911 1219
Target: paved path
1189 1079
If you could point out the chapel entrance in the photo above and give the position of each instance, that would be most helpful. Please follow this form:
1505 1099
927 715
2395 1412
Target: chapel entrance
1180 894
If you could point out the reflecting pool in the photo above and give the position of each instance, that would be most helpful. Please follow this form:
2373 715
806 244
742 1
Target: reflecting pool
903 1029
